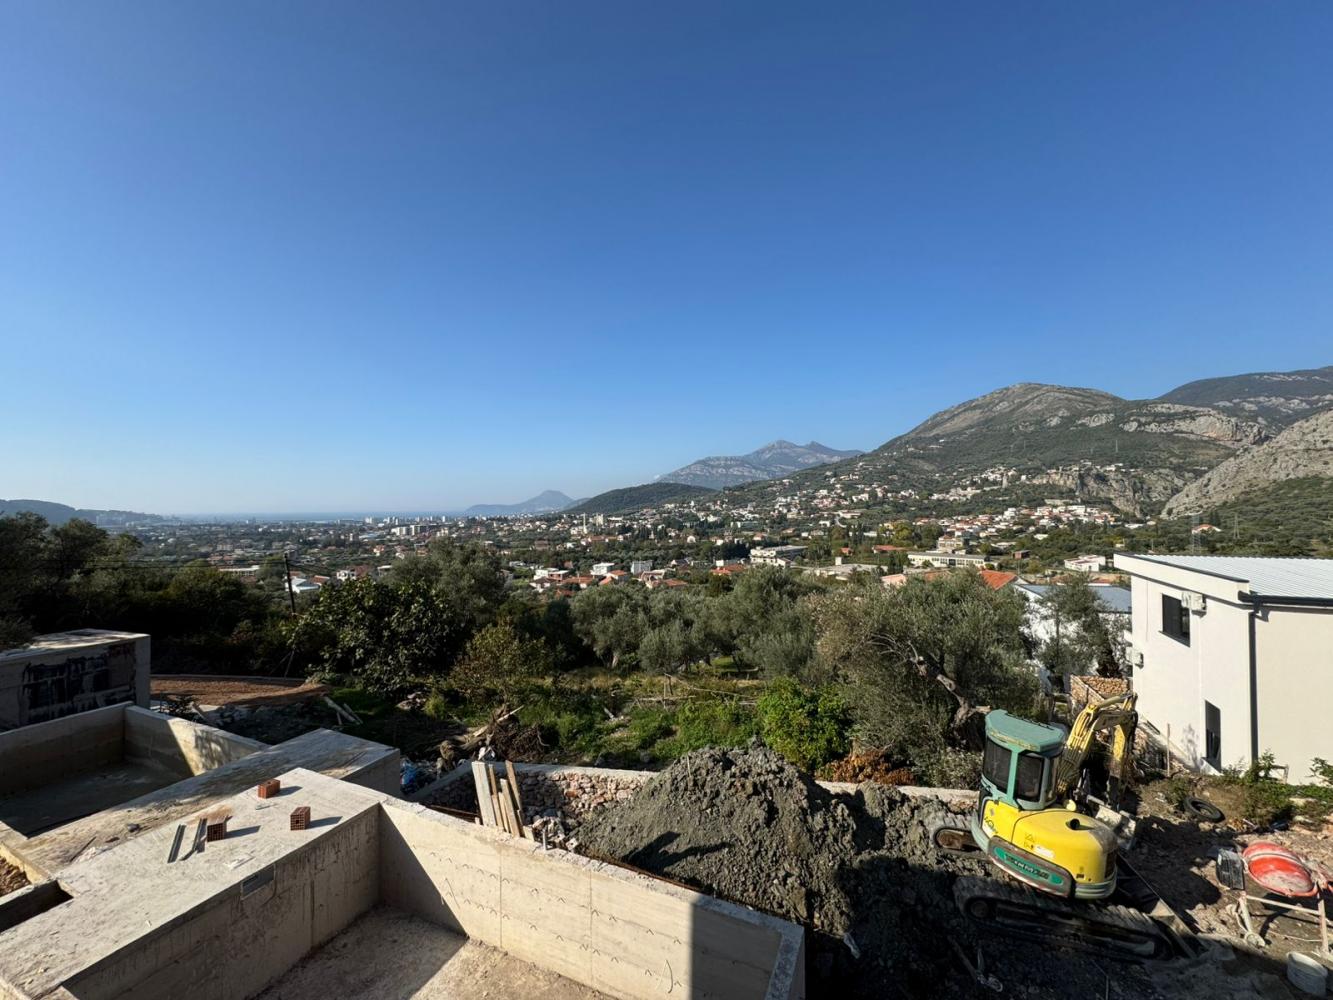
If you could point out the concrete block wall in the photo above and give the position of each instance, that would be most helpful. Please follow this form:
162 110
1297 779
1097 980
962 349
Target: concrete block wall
616 931
68 672
234 945
186 747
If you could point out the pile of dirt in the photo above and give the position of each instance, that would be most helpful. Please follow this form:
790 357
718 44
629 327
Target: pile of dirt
11 878
744 825
868 765
861 872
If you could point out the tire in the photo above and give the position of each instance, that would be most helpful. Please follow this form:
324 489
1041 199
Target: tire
1202 810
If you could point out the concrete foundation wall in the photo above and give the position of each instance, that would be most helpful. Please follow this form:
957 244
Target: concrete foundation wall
605 927
49 751
236 944
188 748
69 672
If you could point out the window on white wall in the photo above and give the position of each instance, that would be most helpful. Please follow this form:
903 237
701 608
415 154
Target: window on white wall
1175 619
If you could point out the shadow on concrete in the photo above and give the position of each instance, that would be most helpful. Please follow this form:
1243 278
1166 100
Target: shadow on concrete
324 821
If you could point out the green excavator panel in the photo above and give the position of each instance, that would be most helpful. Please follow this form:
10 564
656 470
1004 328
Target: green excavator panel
1034 737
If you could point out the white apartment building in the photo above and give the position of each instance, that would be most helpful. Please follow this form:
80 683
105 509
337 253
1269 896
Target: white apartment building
945 560
1234 655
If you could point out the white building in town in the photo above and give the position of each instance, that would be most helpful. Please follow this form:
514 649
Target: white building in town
1235 655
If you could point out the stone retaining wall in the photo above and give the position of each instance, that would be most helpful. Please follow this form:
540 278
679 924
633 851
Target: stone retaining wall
575 792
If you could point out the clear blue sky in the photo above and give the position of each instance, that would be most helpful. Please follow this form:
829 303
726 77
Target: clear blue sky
319 256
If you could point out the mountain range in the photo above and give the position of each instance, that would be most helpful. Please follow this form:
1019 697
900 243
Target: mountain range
549 502
1135 454
59 513
773 461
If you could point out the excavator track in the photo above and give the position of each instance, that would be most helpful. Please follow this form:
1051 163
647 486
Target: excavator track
1117 932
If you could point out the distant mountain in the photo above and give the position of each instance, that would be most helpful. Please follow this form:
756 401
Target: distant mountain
631 498
59 513
1273 398
1097 446
548 502
772 461
1303 450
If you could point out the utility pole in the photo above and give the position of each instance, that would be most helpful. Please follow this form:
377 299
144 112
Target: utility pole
291 594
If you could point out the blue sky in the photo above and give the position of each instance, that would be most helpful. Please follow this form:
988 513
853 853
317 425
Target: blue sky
320 256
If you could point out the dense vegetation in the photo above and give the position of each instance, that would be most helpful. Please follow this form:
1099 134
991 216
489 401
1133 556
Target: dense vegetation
623 674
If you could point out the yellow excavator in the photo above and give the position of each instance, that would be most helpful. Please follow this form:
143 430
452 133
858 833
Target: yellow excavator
1031 824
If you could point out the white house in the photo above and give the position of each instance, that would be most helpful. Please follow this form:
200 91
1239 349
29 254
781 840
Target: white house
1086 564
1235 655
602 568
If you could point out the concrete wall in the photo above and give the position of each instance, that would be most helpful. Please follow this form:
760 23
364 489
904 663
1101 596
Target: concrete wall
188 748
69 672
235 944
39 754
613 930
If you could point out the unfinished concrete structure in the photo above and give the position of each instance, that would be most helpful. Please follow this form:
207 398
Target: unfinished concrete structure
239 916
84 783
68 672
366 896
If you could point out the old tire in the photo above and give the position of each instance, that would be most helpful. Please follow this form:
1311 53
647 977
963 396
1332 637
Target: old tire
1202 810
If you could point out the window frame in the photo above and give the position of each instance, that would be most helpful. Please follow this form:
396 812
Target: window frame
1175 625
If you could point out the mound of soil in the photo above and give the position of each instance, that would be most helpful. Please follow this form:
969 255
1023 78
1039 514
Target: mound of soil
743 825
861 872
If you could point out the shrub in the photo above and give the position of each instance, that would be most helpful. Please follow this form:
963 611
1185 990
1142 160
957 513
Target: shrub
949 767
808 727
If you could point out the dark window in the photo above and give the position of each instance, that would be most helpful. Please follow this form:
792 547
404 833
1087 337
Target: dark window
1028 783
1175 619
995 765
1212 734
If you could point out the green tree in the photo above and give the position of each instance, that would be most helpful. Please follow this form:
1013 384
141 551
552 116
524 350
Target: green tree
386 638
809 727
612 621
923 662
1084 633
501 661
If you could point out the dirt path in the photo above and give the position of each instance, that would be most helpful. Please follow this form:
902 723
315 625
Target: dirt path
218 690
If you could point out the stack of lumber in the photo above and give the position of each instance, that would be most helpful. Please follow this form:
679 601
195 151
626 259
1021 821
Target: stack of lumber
499 802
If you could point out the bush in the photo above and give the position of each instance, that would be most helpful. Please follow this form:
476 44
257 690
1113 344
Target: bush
949 767
808 727
714 723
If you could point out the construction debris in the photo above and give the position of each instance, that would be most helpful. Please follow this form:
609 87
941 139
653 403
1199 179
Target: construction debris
862 867
499 801
11 878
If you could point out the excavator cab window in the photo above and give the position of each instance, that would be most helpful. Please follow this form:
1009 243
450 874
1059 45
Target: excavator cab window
995 765
1027 782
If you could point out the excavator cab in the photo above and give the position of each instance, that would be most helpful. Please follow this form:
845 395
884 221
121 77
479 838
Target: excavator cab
1020 761
1022 821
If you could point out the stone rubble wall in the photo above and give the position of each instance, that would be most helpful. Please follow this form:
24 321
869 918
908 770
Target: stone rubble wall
575 792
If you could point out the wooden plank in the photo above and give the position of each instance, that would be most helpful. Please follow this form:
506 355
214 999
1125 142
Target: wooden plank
485 804
513 787
507 804
501 820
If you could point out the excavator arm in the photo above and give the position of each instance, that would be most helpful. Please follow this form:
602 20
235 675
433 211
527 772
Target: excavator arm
1111 713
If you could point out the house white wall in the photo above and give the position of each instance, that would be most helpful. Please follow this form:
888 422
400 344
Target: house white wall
1175 680
1292 676
1294 649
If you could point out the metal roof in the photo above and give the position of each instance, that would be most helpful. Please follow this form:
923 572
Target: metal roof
1112 598
1308 579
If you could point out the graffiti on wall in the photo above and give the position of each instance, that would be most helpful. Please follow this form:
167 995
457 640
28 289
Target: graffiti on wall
84 680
